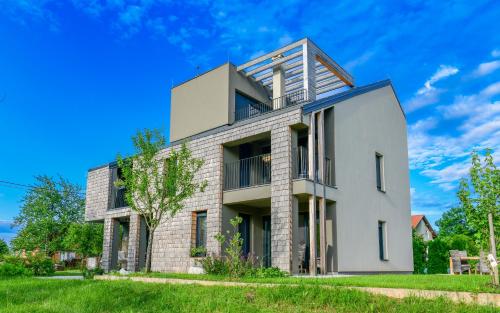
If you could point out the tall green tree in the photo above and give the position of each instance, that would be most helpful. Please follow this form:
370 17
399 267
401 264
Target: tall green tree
85 239
480 200
453 222
156 185
47 211
4 247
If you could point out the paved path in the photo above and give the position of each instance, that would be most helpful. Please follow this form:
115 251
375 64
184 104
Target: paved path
456 296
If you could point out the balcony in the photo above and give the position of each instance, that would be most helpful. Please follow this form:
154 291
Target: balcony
249 172
253 108
300 166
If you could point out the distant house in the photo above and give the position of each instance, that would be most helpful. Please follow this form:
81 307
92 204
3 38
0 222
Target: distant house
422 227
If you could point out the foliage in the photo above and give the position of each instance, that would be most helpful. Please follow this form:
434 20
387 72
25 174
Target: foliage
268 272
156 187
90 273
439 256
214 265
481 196
85 239
198 252
4 247
12 270
454 222
37 264
234 264
46 213
462 243
419 254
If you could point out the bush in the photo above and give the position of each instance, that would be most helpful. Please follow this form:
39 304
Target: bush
89 274
419 254
268 272
38 264
462 243
439 257
215 265
12 270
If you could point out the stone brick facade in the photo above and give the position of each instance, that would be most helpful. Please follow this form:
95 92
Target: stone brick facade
172 239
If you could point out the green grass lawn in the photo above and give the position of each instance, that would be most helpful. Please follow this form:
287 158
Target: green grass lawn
40 295
471 283
68 273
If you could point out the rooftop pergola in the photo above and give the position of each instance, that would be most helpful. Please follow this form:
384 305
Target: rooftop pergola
305 67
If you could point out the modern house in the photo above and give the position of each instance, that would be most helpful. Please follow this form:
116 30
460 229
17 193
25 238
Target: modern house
421 226
316 167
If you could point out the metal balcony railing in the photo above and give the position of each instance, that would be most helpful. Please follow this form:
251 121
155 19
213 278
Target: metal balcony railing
300 163
248 172
253 109
291 99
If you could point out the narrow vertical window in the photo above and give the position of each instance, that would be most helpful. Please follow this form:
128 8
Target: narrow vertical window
382 245
201 229
379 168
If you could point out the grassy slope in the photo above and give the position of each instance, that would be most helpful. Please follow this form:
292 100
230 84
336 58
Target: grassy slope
471 283
36 295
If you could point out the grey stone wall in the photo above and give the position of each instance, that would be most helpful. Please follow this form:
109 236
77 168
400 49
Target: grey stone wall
97 195
172 239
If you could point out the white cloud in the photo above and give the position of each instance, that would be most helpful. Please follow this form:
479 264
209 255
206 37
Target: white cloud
445 158
486 68
429 94
495 53
362 59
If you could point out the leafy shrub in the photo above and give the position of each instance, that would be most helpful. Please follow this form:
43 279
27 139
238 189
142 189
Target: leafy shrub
12 270
268 272
90 273
38 264
439 256
419 254
198 252
462 243
215 265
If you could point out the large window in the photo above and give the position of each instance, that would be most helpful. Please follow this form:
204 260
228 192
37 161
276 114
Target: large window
246 107
118 199
379 168
201 231
382 242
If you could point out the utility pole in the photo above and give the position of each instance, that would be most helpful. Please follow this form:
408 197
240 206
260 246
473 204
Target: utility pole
493 249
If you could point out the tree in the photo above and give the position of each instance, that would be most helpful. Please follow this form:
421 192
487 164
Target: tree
419 254
85 239
480 200
47 211
453 222
157 186
4 247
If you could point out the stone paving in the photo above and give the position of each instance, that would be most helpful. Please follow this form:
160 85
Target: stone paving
398 293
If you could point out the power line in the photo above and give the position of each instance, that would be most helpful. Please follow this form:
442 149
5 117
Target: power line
7 183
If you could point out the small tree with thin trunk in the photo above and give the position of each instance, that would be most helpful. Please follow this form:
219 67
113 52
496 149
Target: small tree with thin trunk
480 202
157 186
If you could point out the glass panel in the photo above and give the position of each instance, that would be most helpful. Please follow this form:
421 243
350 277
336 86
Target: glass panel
381 240
201 229
379 172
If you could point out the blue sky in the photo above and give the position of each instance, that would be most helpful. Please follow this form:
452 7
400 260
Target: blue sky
78 77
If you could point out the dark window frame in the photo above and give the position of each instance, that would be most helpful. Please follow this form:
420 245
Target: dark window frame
382 240
201 233
379 172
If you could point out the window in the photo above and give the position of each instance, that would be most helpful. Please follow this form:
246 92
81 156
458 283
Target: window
200 232
118 199
379 168
247 107
382 244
